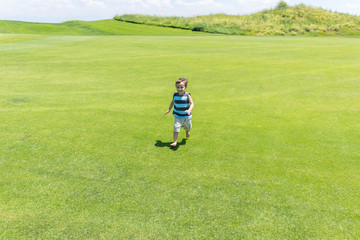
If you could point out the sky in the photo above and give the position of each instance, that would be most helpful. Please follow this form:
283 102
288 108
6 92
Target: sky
55 11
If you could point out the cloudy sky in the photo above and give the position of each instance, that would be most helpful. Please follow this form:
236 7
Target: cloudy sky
63 10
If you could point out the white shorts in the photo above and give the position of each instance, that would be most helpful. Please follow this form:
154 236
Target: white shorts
182 122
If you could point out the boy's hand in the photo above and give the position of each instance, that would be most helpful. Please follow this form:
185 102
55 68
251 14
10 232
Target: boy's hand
167 112
188 112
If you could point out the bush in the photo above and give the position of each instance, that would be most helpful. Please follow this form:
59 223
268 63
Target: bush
281 5
199 27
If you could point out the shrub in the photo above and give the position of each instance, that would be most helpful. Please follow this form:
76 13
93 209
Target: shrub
281 5
264 17
199 27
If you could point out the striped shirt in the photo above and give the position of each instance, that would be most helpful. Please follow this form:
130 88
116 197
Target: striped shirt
181 103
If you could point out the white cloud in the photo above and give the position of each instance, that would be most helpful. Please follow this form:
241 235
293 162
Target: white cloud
357 6
90 3
138 3
64 4
352 8
159 3
256 5
199 3
198 7
257 1
94 3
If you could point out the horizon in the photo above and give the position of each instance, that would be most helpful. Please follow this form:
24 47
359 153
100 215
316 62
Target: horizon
57 11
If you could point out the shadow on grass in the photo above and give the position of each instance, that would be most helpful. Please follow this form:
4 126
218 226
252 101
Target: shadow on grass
167 144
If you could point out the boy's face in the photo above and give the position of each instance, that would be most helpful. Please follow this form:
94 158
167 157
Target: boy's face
180 87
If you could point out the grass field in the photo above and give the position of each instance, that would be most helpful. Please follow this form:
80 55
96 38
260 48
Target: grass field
274 151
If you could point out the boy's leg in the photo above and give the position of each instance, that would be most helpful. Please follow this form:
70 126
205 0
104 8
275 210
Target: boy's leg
175 137
187 127
177 127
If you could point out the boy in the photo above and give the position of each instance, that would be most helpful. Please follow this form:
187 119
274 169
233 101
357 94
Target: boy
183 105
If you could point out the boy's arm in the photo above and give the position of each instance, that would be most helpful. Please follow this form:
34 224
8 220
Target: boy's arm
191 105
170 107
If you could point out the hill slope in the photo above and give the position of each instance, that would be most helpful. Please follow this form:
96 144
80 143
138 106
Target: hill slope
297 20
101 27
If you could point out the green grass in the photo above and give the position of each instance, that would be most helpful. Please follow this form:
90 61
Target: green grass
299 20
101 27
274 151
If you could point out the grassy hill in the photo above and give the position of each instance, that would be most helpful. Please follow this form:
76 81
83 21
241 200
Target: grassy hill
101 27
299 20
283 20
